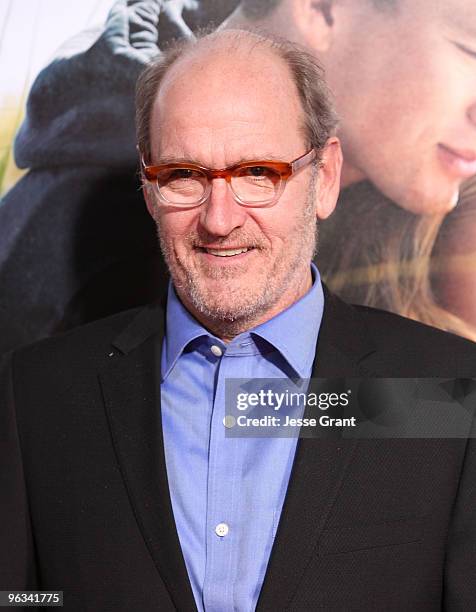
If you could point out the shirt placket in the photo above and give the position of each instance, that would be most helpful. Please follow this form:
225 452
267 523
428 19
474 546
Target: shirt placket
223 485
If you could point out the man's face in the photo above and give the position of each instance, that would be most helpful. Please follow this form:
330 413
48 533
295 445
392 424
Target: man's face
405 87
217 114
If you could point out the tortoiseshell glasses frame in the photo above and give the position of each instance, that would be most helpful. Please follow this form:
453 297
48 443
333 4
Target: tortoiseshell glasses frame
255 183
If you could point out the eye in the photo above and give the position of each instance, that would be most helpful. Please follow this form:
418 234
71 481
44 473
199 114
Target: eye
466 50
259 174
180 174
258 171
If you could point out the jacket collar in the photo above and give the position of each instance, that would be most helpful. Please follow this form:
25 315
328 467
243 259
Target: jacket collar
131 391
344 341
343 328
293 332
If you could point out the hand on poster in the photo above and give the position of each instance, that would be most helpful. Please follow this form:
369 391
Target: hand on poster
60 263
81 107
132 26
173 10
379 248
131 29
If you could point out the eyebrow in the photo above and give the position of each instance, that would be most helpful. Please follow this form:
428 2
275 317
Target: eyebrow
196 162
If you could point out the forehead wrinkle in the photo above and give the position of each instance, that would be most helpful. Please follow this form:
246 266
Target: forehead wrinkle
178 146
239 139
231 114
200 85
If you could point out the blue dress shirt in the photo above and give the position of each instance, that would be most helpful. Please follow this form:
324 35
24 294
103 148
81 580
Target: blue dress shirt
227 493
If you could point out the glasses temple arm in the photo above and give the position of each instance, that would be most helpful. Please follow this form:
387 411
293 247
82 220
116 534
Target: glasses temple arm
141 156
306 159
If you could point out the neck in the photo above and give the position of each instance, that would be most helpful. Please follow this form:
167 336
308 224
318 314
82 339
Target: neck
277 21
238 20
280 21
350 175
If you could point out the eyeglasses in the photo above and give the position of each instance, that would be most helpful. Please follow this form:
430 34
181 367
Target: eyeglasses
253 183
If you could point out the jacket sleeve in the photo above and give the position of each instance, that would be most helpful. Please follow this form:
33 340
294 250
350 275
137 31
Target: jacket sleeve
17 557
460 566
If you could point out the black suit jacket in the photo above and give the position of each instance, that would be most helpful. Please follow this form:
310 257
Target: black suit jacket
366 525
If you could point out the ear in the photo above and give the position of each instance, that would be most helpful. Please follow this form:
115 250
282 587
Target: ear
314 21
328 178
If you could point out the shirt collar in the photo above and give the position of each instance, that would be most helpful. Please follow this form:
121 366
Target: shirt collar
293 332
181 328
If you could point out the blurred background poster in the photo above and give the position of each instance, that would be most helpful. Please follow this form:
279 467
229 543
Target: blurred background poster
76 242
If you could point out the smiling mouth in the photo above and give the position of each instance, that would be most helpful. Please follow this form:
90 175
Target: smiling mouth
461 163
225 252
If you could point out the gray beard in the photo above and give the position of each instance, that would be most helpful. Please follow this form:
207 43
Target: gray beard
227 323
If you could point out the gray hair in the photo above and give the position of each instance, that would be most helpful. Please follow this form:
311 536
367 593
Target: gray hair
319 117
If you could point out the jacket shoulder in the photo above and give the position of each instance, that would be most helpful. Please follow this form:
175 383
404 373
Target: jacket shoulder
389 326
87 345
412 342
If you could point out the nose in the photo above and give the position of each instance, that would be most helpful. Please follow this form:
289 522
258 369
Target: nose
221 213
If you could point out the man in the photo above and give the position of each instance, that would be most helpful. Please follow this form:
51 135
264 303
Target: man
59 266
380 56
402 72
126 493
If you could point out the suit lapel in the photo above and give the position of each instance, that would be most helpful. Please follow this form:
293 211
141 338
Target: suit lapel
131 389
320 465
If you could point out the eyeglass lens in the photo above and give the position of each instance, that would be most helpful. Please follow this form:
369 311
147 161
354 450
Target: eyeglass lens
253 184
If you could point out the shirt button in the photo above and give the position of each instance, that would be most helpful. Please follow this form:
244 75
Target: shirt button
221 529
216 350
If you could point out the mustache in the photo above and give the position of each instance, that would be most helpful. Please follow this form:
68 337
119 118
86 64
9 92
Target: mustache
201 239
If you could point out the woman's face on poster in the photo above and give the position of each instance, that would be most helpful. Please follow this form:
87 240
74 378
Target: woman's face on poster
404 78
